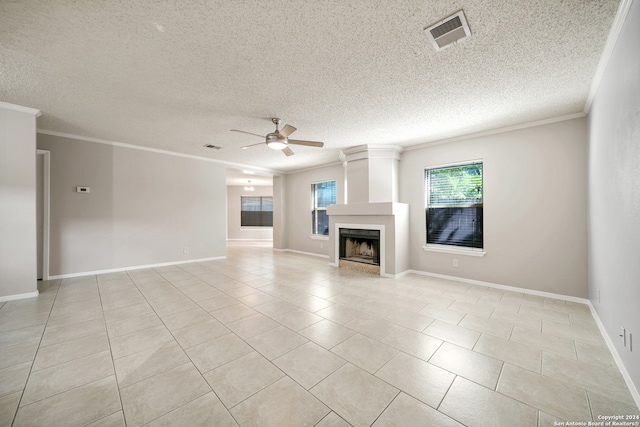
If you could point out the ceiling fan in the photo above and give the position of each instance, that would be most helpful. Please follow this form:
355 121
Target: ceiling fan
279 140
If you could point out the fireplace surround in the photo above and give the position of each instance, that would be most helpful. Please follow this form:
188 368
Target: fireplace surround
371 207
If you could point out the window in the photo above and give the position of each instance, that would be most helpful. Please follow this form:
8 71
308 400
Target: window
256 211
323 194
453 199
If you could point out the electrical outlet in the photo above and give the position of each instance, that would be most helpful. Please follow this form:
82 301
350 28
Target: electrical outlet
456 264
185 250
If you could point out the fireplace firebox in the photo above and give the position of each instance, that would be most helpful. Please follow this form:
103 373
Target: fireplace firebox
361 246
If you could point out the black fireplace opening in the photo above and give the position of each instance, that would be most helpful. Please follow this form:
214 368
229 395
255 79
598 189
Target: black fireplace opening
360 245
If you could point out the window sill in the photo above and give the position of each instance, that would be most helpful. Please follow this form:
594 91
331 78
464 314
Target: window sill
456 251
318 237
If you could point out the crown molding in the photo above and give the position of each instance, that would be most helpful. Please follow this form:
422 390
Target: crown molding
310 168
156 150
612 39
20 108
496 131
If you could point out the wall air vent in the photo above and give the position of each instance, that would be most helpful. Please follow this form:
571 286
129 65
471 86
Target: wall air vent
215 147
449 31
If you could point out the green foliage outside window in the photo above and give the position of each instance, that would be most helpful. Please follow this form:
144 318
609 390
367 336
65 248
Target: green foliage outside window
455 185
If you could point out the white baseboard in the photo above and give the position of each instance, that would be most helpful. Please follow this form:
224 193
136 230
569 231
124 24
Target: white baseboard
249 240
614 352
302 252
505 287
397 275
19 296
135 267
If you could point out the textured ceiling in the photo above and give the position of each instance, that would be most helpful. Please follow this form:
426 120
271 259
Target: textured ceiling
175 75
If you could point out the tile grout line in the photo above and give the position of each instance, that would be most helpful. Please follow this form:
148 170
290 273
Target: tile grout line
228 362
113 363
15 415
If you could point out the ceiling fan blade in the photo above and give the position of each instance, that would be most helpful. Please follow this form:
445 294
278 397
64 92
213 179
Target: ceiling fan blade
242 131
286 131
287 151
308 143
252 145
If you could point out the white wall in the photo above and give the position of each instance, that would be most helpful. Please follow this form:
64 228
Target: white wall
17 202
535 199
614 194
298 207
144 207
234 230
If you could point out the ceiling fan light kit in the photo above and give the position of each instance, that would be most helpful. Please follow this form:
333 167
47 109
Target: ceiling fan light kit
275 143
279 140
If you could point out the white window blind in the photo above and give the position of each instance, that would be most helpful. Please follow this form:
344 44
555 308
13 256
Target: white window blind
256 211
454 205
323 194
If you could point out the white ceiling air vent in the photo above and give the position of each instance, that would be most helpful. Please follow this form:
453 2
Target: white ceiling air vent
448 31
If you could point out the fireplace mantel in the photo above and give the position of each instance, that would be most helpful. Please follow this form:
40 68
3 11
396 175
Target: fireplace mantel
367 209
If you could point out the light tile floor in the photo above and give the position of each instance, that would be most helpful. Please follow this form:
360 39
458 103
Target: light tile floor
265 338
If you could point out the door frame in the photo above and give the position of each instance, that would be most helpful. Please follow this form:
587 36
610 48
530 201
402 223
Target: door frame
45 207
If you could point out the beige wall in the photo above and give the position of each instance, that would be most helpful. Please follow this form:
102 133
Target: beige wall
298 207
234 230
280 230
17 202
614 195
535 199
144 207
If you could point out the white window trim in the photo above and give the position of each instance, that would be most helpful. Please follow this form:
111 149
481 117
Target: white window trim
461 163
457 250
319 237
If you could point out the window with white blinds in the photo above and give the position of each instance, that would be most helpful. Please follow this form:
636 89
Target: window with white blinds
323 194
256 211
453 211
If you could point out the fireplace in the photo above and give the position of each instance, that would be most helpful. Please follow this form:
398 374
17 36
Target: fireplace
357 245
369 232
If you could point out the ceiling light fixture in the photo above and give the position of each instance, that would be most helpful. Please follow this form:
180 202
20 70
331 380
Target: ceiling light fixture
277 145
275 142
